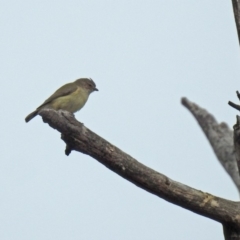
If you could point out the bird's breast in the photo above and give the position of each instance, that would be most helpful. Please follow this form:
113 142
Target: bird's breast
72 102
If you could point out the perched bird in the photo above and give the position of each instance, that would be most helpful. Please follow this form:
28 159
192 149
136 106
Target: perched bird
70 97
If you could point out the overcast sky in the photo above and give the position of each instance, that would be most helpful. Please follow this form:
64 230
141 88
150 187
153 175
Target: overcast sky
143 56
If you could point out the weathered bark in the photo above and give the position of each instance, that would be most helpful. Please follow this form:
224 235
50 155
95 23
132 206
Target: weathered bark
237 140
220 136
236 10
237 132
80 138
231 233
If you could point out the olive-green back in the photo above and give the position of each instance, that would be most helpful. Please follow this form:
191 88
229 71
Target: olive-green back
62 91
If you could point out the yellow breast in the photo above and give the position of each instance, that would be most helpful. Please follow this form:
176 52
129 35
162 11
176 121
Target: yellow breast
72 102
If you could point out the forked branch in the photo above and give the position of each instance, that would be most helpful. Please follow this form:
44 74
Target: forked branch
79 138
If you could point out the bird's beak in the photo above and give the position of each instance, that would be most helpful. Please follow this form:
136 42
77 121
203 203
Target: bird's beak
95 89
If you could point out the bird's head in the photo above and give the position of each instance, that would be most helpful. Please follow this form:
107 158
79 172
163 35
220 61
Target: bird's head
87 84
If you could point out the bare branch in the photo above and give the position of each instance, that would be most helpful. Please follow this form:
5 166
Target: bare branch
236 10
220 137
237 140
233 105
81 139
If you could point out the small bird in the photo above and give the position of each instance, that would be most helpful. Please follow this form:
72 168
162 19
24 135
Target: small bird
70 97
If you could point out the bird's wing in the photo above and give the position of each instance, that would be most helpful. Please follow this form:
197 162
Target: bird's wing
62 91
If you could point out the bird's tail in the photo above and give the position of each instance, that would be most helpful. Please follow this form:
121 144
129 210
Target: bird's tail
31 115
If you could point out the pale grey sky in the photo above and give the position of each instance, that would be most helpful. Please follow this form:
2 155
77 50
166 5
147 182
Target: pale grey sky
144 56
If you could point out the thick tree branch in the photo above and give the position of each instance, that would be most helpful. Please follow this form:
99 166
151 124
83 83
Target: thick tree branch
219 136
236 10
81 139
